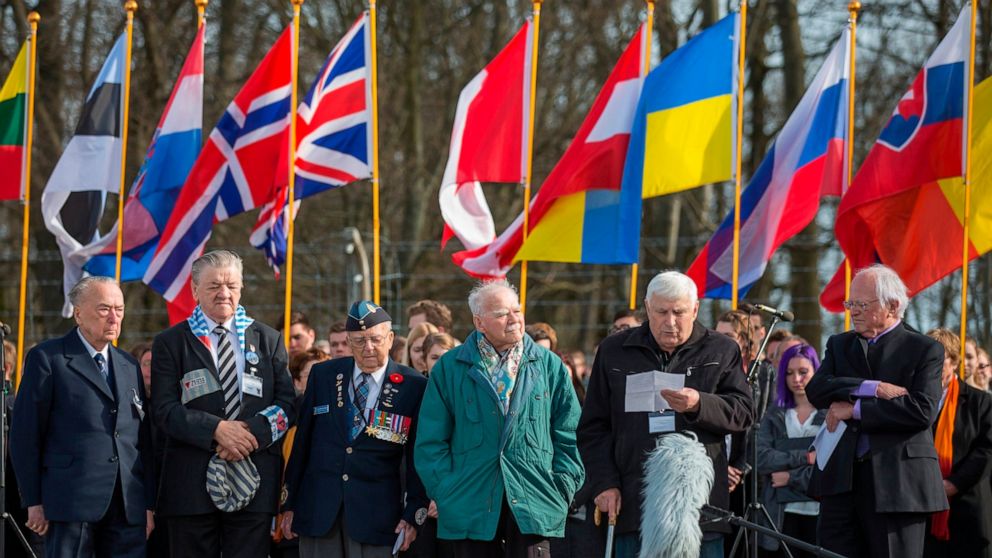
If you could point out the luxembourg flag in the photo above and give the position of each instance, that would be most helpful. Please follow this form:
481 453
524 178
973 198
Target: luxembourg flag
805 163
564 211
170 156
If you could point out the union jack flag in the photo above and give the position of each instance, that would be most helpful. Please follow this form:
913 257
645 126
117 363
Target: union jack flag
333 138
237 171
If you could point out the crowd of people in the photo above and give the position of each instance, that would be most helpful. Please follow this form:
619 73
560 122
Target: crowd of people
218 439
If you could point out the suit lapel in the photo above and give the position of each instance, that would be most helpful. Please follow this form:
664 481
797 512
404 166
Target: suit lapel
124 373
344 411
78 359
201 351
856 357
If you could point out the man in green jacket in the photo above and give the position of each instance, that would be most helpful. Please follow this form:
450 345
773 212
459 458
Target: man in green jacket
495 445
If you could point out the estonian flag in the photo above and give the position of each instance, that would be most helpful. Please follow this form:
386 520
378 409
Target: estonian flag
75 195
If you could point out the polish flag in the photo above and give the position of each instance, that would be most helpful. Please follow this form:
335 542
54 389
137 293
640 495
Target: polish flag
593 161
488 142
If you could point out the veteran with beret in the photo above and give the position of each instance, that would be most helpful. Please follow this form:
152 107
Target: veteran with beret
344 495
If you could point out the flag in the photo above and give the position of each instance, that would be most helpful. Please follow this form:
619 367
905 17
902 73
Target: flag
90 166
563 217
904 206
13 123
488 141
806 161
334 143
235 172
683 134
168 160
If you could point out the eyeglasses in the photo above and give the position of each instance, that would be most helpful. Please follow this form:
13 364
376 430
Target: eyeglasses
861 306
376 340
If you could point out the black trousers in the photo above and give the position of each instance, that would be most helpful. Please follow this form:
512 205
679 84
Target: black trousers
509 542
849 524
110 537
802 527
241 534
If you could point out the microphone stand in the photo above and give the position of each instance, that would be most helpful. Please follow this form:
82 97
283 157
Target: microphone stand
755 509
6 517
723 515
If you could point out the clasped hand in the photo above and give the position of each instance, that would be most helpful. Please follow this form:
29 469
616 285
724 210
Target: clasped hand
234 441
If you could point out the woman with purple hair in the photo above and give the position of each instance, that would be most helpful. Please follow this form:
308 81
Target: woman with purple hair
787 431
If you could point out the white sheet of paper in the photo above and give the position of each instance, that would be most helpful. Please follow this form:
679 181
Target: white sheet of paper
399 542
826 442
643 392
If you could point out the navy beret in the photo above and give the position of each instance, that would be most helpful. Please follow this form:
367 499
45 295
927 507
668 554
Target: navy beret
365 314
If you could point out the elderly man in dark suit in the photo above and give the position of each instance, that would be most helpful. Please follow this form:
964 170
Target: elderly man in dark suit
354 443
78 443
223 397
881 380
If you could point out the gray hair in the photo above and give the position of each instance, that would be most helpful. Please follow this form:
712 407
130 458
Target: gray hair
483 290
672 285
216 259
889 287
78 291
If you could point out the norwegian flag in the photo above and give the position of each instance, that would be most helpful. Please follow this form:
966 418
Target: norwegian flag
236 172
334 144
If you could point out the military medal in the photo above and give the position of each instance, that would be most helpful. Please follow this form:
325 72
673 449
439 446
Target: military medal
421 516
339 384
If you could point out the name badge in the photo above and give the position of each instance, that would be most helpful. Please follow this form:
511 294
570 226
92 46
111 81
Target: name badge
321 409
251 385
659 423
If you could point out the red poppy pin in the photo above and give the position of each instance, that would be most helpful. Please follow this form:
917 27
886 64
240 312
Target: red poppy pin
396 378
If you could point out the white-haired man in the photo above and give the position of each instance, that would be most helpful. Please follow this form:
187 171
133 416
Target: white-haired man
496 442
883 380
715 401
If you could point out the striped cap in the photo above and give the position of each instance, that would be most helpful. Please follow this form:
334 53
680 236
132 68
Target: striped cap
231 484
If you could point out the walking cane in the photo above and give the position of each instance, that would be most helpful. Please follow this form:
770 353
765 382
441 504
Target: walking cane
597 519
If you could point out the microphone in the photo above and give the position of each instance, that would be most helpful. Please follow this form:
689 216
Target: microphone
678 477
783 315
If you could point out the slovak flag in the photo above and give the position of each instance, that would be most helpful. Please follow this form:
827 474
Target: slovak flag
806 162
170 156
903 209
236 172
488 141
591 168
334 143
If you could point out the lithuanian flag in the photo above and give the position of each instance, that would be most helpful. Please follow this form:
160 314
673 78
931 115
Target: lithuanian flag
13 117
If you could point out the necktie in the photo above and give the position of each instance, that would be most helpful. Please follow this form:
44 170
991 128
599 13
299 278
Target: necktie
101 364
228 373
358 412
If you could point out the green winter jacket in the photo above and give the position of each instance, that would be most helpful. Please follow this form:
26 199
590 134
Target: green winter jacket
469 455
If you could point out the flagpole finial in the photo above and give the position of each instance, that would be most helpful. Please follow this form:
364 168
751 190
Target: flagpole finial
854 6
34 18
297 2
130 6
201 4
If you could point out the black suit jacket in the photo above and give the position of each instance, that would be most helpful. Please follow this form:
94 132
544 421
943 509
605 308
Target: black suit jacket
189 429
903 457
970 522
72 436
327 473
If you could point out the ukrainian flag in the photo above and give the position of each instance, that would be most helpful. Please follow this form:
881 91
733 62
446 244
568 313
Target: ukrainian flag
682 136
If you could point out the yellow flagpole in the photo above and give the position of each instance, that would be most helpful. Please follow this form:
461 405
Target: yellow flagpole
201 9
33 19
854 7
130 7
291 195
376 225
649 25
967 189
741 47
530 146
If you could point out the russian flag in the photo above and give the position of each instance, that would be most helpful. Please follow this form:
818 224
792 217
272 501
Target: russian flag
805 163
905 205
170 156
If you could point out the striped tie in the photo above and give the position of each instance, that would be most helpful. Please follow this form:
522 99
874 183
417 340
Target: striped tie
358 412
228 373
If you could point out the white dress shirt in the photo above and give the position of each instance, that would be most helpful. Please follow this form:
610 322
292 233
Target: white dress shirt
92 350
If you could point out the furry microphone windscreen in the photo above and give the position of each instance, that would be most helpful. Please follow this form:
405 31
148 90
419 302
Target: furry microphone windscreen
678 477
